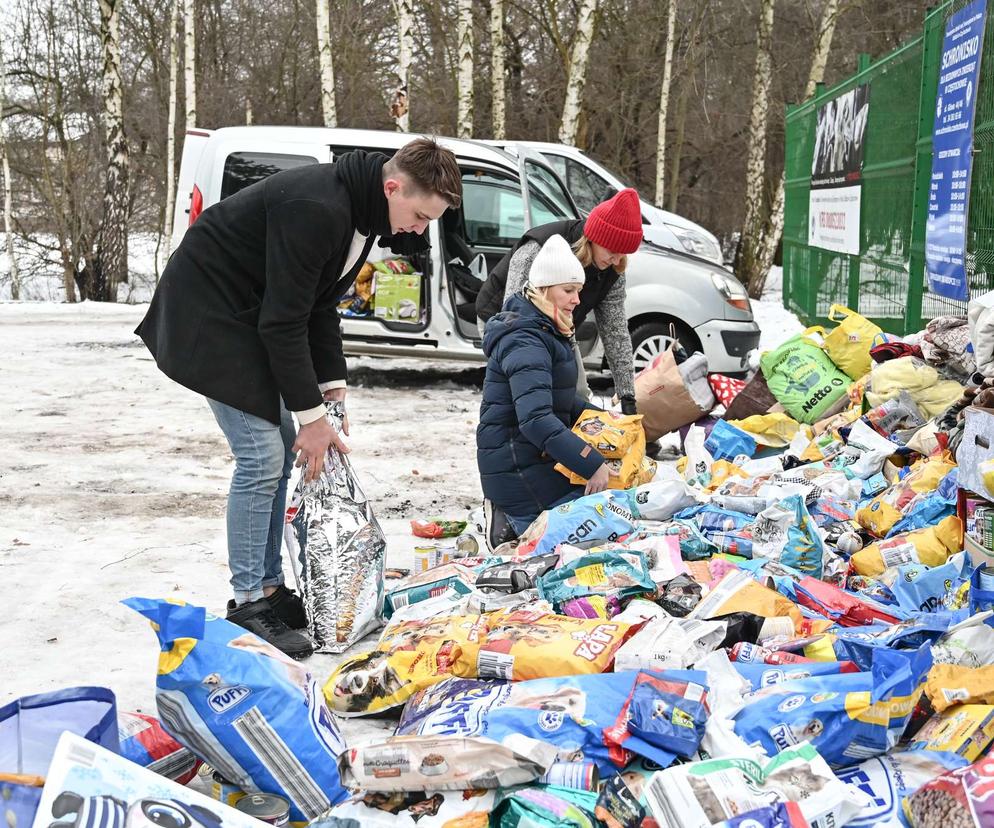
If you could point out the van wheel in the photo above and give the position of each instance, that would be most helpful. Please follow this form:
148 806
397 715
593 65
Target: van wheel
650 339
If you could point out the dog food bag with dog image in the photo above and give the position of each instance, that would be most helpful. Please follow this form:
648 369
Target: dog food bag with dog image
244 708
703 794
476 734
410 655
522 645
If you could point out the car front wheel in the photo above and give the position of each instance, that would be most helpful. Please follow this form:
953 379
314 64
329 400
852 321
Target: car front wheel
650 339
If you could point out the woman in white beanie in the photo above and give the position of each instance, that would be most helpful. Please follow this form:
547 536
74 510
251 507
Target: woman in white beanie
530 400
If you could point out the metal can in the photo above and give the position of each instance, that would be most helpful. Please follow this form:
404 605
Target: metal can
467 545
446 554
265 807
425 557
579 775
985 580
224 791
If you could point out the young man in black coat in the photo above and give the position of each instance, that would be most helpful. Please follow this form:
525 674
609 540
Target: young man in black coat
246 313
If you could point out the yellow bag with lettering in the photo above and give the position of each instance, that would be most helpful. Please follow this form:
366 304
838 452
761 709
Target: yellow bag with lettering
848 345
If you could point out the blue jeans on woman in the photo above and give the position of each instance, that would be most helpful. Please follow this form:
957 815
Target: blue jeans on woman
257 497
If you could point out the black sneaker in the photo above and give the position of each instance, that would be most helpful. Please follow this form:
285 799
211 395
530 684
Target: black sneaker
289 607
499 529
258 617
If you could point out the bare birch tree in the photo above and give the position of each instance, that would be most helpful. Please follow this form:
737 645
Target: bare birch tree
497 105
167 224
577 75
111 261
464 114
190 62
664 104
773 227
756 158
8 190
400 109
327 66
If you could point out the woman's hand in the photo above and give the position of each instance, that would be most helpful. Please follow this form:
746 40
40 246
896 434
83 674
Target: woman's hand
597 483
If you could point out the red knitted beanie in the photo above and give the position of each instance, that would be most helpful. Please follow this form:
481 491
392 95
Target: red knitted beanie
616 224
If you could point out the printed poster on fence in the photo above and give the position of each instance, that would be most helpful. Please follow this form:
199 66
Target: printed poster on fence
837 172
952 152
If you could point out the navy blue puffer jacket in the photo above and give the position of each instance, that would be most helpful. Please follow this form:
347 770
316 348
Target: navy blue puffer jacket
529 406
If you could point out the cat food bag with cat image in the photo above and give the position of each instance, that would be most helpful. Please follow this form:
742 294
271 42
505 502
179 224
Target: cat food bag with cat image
523 644
703 794
961 798
410 655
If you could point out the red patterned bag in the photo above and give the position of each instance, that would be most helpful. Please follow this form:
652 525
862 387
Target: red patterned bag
725 388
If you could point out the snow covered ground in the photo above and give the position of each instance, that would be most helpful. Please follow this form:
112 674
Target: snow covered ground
113 484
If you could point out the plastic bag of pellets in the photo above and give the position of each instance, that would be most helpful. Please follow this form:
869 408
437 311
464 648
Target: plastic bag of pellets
341 549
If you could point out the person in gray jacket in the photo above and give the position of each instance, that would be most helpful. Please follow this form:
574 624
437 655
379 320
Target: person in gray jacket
602 243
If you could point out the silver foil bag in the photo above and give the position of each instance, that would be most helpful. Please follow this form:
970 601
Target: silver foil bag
341 549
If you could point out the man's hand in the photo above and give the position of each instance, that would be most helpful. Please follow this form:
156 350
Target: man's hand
598 483
339 394
312 445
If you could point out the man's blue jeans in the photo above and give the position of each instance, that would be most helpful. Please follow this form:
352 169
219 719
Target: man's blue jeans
257 497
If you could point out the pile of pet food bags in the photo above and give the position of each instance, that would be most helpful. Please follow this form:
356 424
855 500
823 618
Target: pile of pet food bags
781 629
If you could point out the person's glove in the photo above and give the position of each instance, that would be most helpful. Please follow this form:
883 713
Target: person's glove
628 406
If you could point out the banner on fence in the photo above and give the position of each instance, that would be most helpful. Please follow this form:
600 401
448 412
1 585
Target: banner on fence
952 152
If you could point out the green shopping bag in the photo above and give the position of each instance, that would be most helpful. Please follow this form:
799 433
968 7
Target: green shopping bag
803 378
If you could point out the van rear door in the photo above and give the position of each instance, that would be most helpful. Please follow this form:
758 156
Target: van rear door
194 144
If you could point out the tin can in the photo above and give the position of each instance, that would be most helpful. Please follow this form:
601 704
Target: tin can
446 554
467 545
224 791
265 807
985 580
425 557
579 775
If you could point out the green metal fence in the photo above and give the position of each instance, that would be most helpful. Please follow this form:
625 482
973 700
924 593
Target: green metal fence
886 280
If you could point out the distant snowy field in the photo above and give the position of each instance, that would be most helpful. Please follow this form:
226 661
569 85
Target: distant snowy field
113 484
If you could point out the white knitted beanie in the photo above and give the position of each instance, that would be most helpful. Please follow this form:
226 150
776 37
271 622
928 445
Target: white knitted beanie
556 264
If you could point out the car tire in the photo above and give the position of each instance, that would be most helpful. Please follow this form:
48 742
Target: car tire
650 339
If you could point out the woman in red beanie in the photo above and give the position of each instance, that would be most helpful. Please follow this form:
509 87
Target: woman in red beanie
602 243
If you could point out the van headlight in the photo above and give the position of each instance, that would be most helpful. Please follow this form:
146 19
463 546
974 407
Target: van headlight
732 289
697 243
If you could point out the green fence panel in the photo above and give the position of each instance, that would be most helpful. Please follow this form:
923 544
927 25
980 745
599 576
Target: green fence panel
886 280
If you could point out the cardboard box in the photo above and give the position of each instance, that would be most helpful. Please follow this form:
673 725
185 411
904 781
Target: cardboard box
398 297
966 729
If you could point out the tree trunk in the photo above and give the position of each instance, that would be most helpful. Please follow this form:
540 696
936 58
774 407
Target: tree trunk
773 228
577 75
664 104
464 115
498 116
8 191
400 109
326 64
167 231
673 192
111 264
190 62
756 159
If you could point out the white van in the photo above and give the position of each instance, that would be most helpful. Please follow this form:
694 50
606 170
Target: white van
503 195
